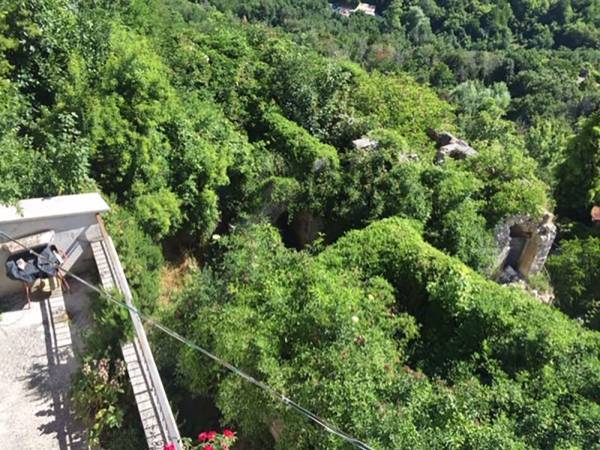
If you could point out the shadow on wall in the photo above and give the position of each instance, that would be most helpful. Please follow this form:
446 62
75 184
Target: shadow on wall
301 231
524 245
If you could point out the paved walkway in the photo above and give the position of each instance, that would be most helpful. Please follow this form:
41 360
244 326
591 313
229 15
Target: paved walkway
36 363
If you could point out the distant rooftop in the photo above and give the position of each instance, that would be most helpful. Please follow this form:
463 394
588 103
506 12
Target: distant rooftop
345 11
366 8
50 207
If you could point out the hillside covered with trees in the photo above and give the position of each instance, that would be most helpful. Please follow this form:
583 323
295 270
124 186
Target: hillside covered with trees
296 158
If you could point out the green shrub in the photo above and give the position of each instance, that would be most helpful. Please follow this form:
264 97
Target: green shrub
97 392
140 257
302 153
112 325
399 103
158 213
518 197
286 320
510 182
505 337
579 175
457 224
389 339
377 184
575 271
463 232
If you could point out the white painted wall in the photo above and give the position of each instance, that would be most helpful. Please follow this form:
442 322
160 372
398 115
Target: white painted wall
71 232
72 218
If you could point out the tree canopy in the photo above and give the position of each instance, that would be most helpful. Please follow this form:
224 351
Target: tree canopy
289 152
425 351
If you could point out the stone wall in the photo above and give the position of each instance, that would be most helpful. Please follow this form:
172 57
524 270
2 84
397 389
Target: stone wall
539 237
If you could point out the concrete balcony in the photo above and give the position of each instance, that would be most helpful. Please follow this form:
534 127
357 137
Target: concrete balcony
40 345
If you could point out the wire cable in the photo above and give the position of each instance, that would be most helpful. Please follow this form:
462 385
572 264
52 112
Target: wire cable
147 319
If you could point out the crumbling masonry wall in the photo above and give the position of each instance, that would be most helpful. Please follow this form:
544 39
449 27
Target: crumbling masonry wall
524 244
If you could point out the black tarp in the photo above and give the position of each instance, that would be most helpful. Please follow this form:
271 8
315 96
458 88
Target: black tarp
47 263
43 266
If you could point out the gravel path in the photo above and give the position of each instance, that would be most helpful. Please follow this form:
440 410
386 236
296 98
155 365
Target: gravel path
36 363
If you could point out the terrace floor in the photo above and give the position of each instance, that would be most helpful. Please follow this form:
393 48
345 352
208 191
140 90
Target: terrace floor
37 358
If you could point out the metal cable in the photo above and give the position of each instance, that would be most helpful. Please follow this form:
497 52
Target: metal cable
267 388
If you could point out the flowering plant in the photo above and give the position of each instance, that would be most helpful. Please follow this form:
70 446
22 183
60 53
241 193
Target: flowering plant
208 440
96 395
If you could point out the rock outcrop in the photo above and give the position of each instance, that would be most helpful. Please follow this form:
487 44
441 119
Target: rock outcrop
450 146
365 143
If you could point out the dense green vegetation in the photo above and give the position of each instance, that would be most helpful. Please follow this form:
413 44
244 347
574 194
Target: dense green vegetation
354 280
575 275
579 177
425 352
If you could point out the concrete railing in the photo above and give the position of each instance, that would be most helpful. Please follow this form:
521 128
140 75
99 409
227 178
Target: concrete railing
143 366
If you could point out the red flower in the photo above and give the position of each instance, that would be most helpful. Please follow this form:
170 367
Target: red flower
208 447
211 435
203 437
228 433
169 446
